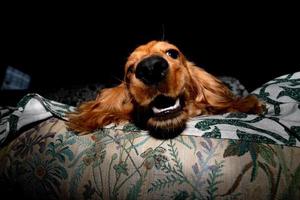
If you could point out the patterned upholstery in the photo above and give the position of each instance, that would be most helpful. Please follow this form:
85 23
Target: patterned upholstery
230 156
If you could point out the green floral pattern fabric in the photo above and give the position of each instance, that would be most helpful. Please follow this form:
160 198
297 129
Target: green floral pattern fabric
230 156
50 162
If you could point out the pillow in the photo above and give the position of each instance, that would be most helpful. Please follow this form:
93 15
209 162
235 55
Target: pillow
279 125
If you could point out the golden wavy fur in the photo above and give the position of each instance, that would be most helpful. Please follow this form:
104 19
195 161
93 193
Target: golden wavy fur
181 91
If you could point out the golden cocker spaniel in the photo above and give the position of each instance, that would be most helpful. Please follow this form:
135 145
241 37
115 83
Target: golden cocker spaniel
160 92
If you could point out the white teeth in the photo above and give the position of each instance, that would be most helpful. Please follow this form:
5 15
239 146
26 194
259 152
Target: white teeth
157 110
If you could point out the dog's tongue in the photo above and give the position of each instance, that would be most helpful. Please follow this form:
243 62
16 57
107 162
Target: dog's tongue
161 102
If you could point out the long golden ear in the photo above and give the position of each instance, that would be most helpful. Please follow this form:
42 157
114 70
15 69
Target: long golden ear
216 97
111 105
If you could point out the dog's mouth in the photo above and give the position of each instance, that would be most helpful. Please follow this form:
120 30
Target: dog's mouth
164 107
164 117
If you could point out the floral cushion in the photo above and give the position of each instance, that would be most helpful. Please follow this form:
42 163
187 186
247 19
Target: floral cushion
230 156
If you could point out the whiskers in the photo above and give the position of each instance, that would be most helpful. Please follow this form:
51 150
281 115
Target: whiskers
163 32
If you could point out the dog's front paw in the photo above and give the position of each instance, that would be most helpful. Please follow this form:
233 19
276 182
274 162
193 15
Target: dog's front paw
261 108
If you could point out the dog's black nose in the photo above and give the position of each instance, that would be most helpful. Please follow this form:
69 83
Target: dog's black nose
152 70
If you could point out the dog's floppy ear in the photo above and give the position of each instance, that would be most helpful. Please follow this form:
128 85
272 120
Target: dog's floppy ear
111 105
216 96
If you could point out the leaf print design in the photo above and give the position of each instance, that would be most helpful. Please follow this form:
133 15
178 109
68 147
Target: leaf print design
254 137
135 191
215 133
181 195
175 176
292 191
213 182
268 154
242 174
256 150
206 124
237 115
202 167
26 143
293 93
265 96
44 177
129 127
154 157
60 150
176 173
121 168
89 191
239 148
296 131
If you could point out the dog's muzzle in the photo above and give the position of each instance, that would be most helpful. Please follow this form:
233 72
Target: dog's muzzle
152 70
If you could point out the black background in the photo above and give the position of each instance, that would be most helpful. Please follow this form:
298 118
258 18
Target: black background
66 51
62 46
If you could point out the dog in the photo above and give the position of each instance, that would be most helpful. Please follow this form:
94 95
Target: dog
160 92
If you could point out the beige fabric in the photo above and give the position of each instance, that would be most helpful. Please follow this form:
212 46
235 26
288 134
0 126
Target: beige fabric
49 161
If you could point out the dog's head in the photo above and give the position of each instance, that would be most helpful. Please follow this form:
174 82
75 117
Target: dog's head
161 90
158 78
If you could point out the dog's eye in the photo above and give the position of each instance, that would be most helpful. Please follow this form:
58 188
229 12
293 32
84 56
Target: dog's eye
173 53
130 69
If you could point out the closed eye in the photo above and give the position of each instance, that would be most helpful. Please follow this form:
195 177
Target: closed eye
173 53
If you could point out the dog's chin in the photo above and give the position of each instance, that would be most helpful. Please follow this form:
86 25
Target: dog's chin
168 128
164 117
